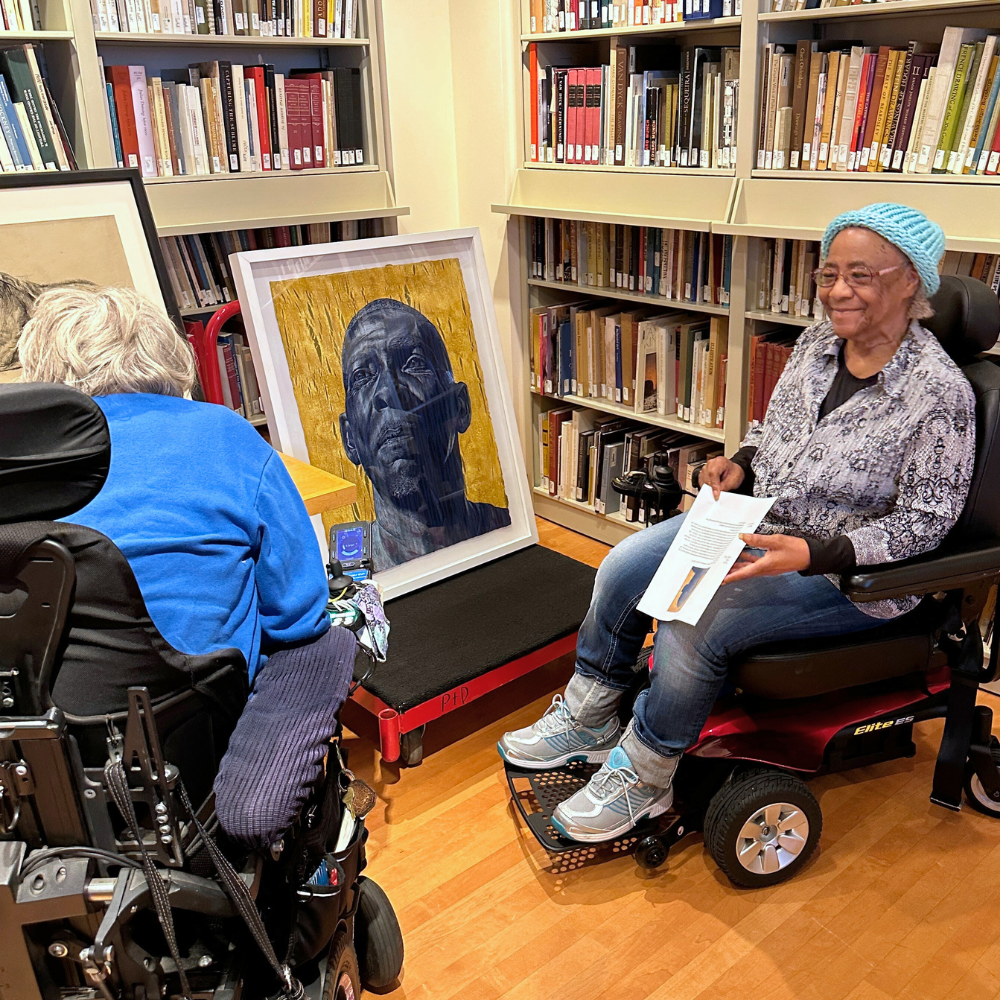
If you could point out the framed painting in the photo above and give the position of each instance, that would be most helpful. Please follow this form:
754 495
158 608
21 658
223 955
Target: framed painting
379 361
68 228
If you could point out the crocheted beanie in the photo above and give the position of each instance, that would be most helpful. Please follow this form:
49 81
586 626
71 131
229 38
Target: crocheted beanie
911 231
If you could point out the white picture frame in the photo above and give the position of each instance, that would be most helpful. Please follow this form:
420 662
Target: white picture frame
254 270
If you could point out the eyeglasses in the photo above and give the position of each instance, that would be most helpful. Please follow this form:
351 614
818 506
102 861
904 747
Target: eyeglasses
856 276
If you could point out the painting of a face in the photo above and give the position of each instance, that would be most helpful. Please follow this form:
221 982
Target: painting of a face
390 393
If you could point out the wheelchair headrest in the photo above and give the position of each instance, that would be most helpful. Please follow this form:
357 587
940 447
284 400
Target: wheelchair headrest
966 316
55 450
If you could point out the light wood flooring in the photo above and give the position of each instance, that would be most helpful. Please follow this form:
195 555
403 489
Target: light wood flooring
901 900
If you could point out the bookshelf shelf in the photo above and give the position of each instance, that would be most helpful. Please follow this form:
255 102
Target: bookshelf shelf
889 9
772 207
661 171
241 41
614 523
249 201
263 175
615 293
761 315
36 36
585 195
635 33
853 175
653 419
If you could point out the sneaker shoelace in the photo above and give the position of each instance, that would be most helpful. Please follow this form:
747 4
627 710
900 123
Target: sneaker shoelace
610 780
557 716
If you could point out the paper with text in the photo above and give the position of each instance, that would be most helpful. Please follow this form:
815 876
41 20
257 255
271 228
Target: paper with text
701 554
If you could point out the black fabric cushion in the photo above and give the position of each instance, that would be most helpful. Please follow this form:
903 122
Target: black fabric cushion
111 643
55 450
459 629
804 668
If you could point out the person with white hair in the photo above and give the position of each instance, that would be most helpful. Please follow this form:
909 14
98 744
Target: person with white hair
197 501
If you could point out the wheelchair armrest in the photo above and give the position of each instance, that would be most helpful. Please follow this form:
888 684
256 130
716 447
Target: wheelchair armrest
945 568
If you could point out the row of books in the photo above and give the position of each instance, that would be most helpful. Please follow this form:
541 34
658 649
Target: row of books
19 15
769 351
199 268
549 16
240 388
922 109
673 264
581 453
785 282
222 117
983 266
667 364
266 18
777 5
651 106
32 134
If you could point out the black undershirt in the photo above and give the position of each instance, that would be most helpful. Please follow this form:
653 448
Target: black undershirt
826 555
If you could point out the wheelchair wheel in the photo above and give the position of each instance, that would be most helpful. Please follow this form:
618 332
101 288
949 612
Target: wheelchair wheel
976 795
377 937
342 981
761 827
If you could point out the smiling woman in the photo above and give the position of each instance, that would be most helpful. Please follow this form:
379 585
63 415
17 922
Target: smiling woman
867 447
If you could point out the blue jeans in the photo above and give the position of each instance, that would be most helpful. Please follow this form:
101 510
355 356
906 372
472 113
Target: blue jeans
689 661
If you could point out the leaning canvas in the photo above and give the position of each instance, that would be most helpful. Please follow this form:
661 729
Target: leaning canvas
379 362
86 227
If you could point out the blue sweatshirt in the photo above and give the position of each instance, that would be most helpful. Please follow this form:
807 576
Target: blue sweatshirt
212 525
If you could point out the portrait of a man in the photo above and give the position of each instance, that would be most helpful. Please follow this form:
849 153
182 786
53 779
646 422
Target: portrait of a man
390 394
404 413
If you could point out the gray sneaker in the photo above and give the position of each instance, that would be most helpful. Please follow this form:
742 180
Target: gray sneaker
611 803
557 738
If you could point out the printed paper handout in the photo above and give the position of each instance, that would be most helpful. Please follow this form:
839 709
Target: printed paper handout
701 554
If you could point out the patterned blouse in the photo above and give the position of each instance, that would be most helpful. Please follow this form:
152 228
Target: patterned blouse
890 468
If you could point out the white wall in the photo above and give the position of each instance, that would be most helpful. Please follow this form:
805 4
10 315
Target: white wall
451 73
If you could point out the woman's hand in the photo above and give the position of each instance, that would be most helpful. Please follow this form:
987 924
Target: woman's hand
785 554
722 475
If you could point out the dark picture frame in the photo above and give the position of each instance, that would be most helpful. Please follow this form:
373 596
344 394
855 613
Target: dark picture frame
116 175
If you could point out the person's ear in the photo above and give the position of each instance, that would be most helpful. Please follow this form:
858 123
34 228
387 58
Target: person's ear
347 434
463 406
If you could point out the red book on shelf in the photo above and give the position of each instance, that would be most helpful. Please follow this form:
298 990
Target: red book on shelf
121 84
570 155
282 236
299 128
533 103
592 101
256 73
581 114
313 117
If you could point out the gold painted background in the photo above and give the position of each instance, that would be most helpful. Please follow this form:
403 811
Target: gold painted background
313 314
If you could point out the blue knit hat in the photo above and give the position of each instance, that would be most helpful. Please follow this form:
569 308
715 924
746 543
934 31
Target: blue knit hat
905 228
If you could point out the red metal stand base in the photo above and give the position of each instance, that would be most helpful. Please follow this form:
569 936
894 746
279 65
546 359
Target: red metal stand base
393 724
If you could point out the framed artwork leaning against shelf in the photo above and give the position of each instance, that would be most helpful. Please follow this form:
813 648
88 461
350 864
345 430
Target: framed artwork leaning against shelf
90 227
379 361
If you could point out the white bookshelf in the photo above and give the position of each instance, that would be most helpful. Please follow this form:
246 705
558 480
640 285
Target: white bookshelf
744 203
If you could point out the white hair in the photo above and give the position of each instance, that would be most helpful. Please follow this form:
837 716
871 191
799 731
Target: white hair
104 341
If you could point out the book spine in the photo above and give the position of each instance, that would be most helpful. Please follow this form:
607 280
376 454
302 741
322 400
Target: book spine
143 121
23 92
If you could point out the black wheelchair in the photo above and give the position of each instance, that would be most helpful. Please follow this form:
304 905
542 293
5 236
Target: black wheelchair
116 881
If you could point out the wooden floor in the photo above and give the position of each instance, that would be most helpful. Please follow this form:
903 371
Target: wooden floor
901 900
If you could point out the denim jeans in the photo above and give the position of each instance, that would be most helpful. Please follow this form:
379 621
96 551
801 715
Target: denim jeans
689 661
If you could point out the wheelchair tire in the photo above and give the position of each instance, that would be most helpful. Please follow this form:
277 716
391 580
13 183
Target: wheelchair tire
377 937
342 981
744 821
975 794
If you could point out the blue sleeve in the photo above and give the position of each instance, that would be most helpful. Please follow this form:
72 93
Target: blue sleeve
291 581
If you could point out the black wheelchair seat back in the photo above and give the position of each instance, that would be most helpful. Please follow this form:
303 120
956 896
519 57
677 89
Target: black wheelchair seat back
74 629
966 321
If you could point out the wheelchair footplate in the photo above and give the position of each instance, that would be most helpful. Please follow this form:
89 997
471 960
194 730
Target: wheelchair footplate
537 793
